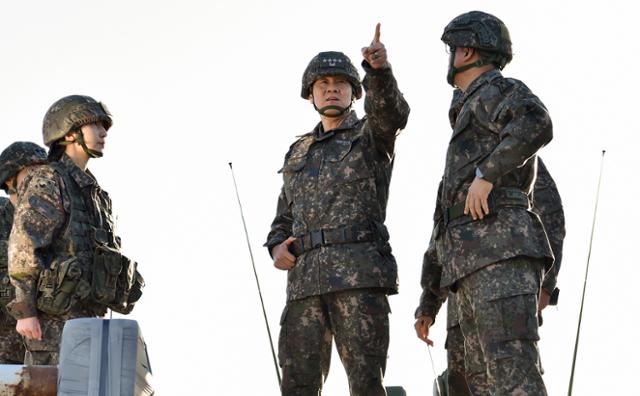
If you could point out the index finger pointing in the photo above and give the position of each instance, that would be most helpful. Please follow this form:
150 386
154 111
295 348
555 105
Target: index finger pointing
376 37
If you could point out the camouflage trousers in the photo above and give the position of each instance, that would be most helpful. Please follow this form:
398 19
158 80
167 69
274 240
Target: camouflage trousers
359 322
497 309
11 345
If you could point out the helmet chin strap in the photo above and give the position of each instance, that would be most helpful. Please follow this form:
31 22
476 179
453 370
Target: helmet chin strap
341 110
451 73
79 138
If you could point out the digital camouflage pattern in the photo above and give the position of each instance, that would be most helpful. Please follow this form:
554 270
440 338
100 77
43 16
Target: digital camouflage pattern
548 205
497 308
359 321
338 179
331 63
17 156
47 233
70 113
11 346
477 29
500 127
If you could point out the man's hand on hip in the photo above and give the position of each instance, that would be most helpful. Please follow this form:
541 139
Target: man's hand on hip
282 257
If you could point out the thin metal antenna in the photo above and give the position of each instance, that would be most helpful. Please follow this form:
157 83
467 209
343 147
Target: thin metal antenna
264 312
433 367
586 274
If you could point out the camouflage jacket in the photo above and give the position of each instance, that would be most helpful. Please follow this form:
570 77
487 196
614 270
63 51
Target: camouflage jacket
6 289
340 178
499 129
41 227
548 205
455 250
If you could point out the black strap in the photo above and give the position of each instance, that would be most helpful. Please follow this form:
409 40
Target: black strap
331 236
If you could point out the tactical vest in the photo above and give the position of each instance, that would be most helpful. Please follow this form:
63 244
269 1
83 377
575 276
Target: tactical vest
86 269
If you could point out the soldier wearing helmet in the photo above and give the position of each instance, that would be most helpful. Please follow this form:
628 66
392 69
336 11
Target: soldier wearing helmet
16 161
329 232
64 257
492 251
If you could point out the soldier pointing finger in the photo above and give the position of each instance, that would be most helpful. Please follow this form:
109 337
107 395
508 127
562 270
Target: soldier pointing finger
329 232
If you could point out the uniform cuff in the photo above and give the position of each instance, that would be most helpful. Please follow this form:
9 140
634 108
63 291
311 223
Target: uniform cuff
22 309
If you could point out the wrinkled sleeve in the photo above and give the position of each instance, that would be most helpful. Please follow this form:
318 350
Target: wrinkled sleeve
432 296
282 223
38 216
526 128
387 111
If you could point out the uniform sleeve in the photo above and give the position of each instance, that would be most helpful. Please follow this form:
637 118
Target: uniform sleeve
432 296
525 128
387 111
39 215
548 204
281 227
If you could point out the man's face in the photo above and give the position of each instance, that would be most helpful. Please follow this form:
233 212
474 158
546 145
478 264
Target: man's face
332 91
94 136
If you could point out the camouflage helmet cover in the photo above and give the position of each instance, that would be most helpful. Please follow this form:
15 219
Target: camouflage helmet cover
477 29
72 112
331 63
17 156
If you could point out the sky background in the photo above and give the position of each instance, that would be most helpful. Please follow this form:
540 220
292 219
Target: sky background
194 85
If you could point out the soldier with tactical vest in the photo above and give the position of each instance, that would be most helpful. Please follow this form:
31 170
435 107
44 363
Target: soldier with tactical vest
493 251
64 257
16 161
329 231
459 380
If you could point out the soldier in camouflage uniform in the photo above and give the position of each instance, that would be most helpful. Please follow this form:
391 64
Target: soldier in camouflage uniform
492 249
64 257
15 163
329 232
548 205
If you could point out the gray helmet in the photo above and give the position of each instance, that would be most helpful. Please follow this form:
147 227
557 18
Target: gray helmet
331 63
70 113
17 156
477 29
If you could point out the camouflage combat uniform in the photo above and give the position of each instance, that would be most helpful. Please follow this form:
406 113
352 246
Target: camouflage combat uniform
11 345
61 214
548 205
495 264
336 186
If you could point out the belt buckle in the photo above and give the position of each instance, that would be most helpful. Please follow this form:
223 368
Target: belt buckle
317 238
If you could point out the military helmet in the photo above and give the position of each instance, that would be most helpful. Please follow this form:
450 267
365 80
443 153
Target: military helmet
331 63
17 156
70 113
477 29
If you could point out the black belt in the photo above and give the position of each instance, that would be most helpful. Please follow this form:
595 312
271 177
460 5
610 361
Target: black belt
331 236
498 198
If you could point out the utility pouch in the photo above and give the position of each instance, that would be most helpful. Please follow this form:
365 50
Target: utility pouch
61 286
7 292
107 265
129 287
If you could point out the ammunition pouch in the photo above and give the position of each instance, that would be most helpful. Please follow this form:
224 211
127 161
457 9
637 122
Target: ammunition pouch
7 291
116 282
129 287
107 265
61 286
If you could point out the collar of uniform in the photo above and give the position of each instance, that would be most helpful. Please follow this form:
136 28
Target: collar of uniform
81 177
481 80
347 123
